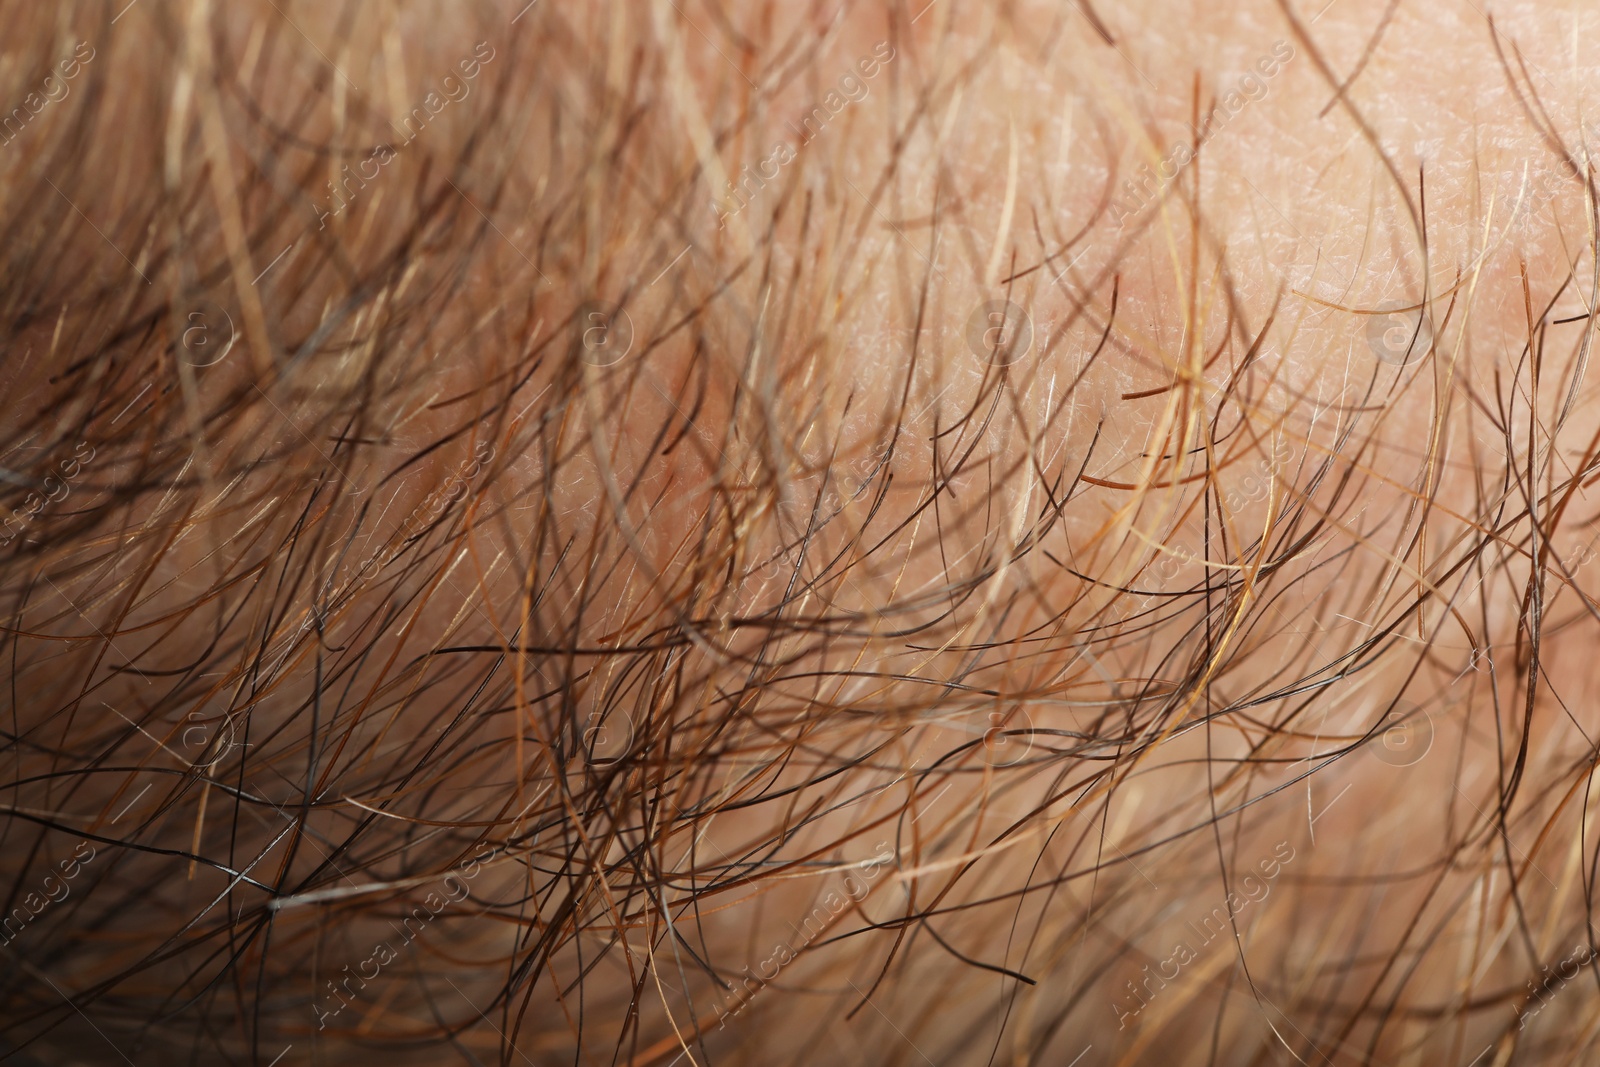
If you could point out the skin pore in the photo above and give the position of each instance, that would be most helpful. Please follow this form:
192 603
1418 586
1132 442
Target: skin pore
657 533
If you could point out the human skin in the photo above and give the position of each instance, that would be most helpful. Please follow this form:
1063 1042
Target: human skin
492 481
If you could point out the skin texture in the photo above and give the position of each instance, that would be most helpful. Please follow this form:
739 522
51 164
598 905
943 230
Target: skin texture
527 545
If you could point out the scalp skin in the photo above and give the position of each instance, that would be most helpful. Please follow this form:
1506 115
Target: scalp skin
1205 684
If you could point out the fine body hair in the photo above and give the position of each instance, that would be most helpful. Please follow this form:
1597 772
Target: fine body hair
1075 532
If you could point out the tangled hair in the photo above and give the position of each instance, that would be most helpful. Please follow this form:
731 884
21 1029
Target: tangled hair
669 532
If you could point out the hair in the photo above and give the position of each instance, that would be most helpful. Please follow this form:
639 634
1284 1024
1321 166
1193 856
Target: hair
520 514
